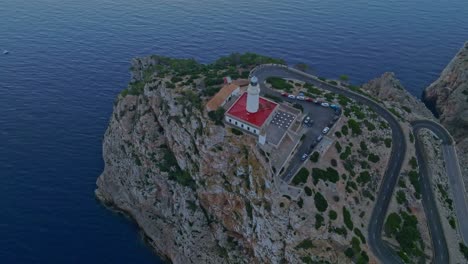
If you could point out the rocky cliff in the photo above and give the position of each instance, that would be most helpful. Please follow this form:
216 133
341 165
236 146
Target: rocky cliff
449 95
200 193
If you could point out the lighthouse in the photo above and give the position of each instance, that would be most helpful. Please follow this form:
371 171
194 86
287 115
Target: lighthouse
253 95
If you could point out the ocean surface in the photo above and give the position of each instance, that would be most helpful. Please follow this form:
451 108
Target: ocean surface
70 58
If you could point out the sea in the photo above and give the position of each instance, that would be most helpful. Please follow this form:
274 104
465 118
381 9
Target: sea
68 59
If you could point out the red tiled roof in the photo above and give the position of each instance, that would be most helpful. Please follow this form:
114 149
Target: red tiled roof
238 110
221 96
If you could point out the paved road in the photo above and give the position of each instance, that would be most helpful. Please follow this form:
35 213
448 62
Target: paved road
453 173
381 250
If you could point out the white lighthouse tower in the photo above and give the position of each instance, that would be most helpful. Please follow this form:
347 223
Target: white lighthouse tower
253 95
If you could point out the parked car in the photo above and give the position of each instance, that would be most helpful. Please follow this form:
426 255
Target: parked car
300 97
284 94
325 130
325 104
319 138
334 107
336 117
304 156
314 143
317 102
291 96
308 99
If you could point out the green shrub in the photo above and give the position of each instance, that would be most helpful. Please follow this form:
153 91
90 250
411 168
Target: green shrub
363 178
401 197
315 156
329 174
333 162
349 252
373 158
301 176
344 130
308 191
413 162
369 125
279 83
355 127
392 224
274 98
338 134
210 91
318 221
464 250
217 116
347 219
236 131
332 215
452 223
346 153
414 179
338 147
305 244
388 142
360 235
344 78
300 202
320 202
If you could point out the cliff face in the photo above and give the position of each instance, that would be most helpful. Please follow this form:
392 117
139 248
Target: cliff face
449 95
389 90
200 193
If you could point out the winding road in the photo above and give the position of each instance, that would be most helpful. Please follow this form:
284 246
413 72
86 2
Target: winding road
455 182
381 249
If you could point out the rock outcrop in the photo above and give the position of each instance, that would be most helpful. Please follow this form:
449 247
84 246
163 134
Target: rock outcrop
449 95
200 193
388 89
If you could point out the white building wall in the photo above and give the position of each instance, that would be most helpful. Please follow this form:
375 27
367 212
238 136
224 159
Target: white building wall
242 125
234 93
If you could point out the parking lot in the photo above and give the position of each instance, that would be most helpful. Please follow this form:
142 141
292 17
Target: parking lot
322 117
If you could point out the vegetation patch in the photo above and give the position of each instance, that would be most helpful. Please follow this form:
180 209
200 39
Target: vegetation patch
320 202
314 157
318 221
305 244
332 215
301 176
414 179
217 116
347 219
329 174
280 84
403 227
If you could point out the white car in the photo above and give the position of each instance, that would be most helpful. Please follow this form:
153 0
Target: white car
301 97
325 104
292 96
325 130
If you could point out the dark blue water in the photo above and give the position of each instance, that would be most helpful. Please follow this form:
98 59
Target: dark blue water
69 59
